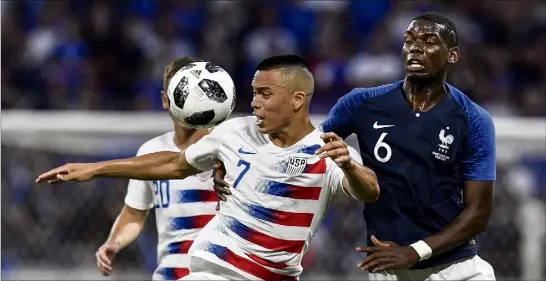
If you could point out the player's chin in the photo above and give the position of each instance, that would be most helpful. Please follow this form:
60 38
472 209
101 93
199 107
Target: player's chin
417 75
263 127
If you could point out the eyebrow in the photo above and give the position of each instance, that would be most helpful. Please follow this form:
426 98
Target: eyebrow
409 32
261 88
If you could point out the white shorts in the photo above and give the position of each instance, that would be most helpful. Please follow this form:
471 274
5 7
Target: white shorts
473 268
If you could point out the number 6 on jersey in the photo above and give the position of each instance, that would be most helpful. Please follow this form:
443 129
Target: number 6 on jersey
380 144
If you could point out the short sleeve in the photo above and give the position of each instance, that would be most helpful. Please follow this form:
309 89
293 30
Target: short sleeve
203 154
140 195
335 175
341 116
480 156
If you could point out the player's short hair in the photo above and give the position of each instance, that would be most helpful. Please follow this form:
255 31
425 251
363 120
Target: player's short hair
282 61
295 67
451 36
173 67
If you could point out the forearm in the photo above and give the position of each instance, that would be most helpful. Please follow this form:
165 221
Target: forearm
361 182
467 225
153 166
127 226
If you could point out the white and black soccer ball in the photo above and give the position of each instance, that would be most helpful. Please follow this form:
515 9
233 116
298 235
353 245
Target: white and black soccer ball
201 95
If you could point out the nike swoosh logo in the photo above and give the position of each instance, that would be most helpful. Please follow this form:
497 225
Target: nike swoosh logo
245 152
376 126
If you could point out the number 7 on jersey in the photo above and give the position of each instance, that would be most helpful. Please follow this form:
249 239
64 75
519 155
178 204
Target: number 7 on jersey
246 166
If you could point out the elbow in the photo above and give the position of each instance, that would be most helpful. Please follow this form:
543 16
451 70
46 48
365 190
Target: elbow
366 194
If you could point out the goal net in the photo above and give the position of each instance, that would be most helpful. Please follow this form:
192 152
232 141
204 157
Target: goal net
52 233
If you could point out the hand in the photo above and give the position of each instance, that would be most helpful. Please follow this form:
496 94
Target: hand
105 256
387 255
69 172
220 186
334 148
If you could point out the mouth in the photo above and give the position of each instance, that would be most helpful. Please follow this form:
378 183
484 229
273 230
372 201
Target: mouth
415 65
259 119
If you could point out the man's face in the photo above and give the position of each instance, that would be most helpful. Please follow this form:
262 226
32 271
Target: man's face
425 51
272 102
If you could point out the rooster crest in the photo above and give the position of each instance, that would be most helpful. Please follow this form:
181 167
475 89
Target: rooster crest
446 140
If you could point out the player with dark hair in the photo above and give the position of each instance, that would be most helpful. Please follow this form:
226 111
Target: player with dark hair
433 151
182 207
282 186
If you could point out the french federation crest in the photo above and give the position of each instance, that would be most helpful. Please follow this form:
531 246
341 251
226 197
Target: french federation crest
296 165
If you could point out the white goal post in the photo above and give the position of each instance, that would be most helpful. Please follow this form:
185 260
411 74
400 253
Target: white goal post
99 133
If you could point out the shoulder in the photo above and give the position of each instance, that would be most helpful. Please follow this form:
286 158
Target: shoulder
359 95
237 123
476 115
159 143
233 125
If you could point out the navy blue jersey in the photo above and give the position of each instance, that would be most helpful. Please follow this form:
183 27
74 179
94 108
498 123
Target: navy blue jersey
421 159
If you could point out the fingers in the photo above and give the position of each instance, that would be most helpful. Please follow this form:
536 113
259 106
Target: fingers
370 249
103 262
330 136
52 174
220 186
221 191
335 153
332 146
374 259
220 169
391 265
380 243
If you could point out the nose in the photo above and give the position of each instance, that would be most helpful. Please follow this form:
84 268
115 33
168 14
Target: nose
416 47
255 104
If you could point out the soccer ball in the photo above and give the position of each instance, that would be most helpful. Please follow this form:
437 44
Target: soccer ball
201 95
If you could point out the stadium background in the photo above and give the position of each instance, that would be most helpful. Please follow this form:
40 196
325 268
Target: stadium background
81 57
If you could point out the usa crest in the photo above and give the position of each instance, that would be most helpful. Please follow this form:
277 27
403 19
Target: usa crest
296 165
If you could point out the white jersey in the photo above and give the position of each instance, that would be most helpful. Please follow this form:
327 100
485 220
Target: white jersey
182 208
279 197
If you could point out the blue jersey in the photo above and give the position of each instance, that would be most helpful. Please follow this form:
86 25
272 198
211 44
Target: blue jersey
421 159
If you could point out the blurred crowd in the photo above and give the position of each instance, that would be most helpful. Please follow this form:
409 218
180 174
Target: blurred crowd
110 55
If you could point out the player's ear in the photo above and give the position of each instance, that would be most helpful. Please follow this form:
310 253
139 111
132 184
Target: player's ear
453 55
299 100
164 100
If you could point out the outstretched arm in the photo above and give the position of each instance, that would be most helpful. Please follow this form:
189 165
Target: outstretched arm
153 166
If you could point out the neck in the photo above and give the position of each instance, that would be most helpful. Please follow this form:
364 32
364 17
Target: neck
184 137
424 94
294 132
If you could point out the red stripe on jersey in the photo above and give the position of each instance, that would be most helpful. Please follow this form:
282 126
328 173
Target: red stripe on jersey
170 273
316 168
264 262
292 191
281 217
180 247
264 240
247 265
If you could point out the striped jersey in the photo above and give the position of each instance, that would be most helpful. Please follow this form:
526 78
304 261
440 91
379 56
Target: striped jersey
182 208
279 197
